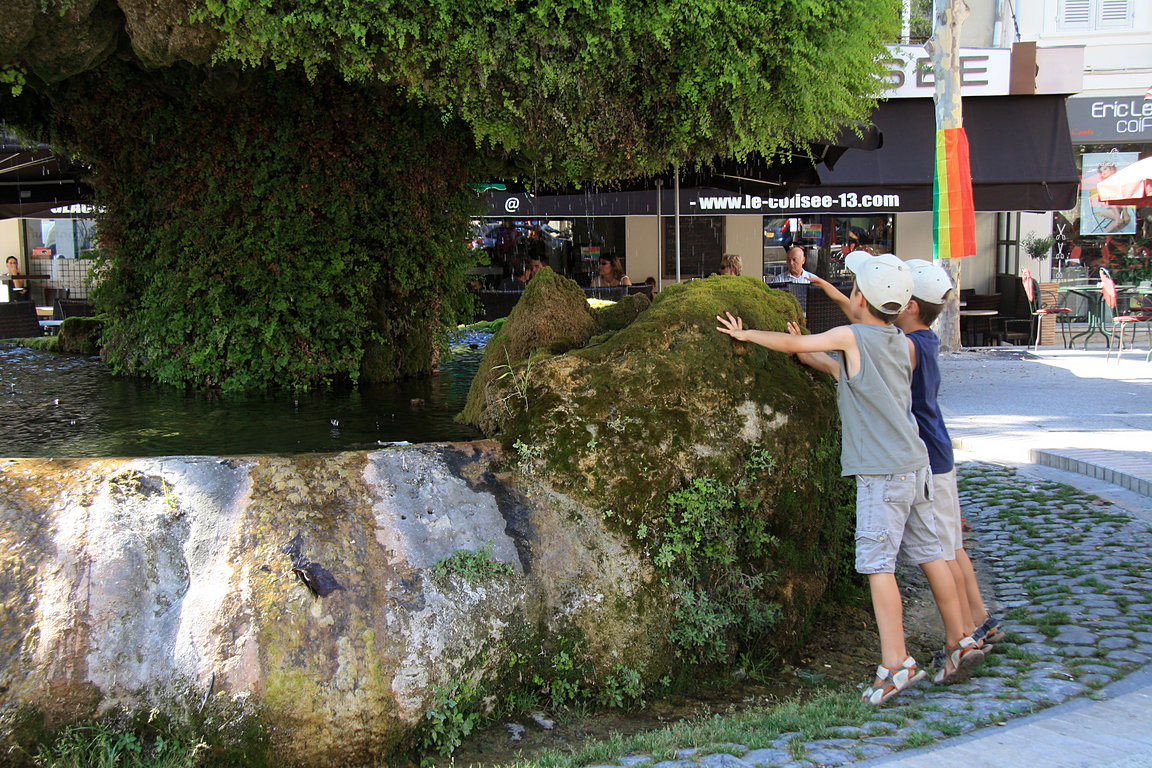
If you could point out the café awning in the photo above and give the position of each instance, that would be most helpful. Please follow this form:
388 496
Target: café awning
37 183
1020 150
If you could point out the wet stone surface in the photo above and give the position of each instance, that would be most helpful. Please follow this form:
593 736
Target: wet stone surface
1073 589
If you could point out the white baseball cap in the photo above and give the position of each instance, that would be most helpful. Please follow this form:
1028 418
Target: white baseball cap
883 280
929 281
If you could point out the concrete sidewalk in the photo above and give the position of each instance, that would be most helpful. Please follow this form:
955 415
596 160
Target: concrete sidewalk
1076 417
1070 410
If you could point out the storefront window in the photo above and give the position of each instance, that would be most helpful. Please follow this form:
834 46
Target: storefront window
831 237
1095 235
61 251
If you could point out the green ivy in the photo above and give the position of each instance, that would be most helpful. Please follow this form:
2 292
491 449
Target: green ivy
270 232
710 547
584 90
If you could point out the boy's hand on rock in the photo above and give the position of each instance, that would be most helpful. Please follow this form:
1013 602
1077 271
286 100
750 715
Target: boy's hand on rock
733 326
794 329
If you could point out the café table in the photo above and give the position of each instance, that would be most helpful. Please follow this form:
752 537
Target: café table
974 315
1094 299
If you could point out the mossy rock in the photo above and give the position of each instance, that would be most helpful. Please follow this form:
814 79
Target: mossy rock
643 412
80 335
553 315
619 314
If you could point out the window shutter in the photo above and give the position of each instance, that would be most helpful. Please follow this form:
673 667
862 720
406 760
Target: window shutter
1076 14
1115 13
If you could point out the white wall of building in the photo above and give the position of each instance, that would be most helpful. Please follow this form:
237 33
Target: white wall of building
641 247
744 236
1117 52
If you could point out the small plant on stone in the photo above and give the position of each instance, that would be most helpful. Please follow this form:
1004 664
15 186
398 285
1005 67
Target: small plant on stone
798 748
918 738
624 687
527 456
519 379
473 567
451 717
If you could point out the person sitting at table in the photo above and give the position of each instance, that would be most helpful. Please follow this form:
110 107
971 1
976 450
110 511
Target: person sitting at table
796 272
611 273
17 289
519 277
730 264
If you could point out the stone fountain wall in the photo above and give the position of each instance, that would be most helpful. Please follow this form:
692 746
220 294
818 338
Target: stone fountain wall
175 582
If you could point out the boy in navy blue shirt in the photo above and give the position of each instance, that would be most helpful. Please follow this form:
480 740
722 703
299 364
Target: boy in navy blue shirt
931 287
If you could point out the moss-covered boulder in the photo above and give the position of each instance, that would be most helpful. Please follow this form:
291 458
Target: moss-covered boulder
718 458
553 315
80 335
618 314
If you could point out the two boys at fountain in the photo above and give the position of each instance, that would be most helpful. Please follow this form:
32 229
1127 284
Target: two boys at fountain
883 449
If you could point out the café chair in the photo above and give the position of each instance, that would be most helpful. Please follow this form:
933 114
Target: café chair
1123 315
1042 305
18 320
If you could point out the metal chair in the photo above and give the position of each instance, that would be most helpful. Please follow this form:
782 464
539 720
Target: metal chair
1043 306
1126 317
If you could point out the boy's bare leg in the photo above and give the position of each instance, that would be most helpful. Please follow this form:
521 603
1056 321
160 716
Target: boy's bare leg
957 571
971 589
889 618
944 590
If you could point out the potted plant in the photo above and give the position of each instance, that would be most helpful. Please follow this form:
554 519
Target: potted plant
1038 247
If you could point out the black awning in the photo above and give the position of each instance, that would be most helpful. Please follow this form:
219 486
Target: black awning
1019 146
34 180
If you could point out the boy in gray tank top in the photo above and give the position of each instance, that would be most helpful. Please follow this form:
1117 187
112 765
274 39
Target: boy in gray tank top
882 448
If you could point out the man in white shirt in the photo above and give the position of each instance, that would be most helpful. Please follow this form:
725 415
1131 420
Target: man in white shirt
796 272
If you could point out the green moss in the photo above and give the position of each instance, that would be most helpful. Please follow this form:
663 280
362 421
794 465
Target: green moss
616 315
667 403
552 311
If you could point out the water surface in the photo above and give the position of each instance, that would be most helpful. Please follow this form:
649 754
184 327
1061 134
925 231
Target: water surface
67 406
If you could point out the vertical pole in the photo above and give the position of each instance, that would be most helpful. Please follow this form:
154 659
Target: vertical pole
659 235
677 172
944 49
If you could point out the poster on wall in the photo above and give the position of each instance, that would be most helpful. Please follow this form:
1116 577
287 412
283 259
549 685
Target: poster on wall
1095 217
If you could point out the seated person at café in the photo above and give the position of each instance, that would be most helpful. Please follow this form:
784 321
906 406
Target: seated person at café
730 264
611 273
535 264
17 289
796 272
519 277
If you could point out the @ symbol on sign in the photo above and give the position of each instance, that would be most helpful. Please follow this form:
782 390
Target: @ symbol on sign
512 204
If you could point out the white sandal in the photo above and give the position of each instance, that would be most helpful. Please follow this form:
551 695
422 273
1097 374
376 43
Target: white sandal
959 662
892 681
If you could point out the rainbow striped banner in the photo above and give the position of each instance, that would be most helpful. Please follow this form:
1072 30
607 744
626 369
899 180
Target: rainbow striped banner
953 213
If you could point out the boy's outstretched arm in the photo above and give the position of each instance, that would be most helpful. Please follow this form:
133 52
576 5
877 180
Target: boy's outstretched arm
835 294
839 338
821 361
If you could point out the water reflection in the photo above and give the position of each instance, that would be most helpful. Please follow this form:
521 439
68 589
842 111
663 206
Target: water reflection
64 406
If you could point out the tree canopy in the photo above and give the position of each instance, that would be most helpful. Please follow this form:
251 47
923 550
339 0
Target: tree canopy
556 89
285 183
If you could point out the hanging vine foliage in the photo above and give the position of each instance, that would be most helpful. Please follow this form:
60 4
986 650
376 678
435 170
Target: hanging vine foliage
267 231
286 180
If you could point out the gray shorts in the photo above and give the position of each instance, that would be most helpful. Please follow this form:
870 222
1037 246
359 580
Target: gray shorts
945 504
893 518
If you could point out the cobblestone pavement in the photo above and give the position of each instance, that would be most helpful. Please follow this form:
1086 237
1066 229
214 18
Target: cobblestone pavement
1072 576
